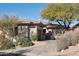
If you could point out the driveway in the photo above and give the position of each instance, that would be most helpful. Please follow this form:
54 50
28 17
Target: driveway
41 48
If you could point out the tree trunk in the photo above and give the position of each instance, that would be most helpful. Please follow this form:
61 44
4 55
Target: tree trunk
60 24
64 26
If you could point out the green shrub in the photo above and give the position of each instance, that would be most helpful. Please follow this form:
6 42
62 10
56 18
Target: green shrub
24 42
7 44
34 38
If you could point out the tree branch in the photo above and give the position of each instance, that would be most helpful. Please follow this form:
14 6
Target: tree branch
64 22
59 23
69 22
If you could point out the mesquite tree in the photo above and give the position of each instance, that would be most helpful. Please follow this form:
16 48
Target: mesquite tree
63 13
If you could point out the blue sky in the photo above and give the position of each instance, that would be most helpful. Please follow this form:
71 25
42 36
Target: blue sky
22 10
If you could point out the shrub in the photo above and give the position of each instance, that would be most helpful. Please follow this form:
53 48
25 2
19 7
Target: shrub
61 44
75 37
7 44
69 38
72 37
24 42
2 36
34 38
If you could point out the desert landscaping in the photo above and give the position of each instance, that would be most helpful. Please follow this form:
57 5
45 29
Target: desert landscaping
57 36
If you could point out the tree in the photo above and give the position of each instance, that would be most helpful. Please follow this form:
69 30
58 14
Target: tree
8 24
61 13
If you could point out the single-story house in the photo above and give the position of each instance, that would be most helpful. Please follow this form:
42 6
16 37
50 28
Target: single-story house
27 28
55 28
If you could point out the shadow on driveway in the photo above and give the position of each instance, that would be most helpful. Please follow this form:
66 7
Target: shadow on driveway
10 54
16 53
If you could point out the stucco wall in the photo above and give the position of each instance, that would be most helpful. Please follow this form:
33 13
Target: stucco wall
33 30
